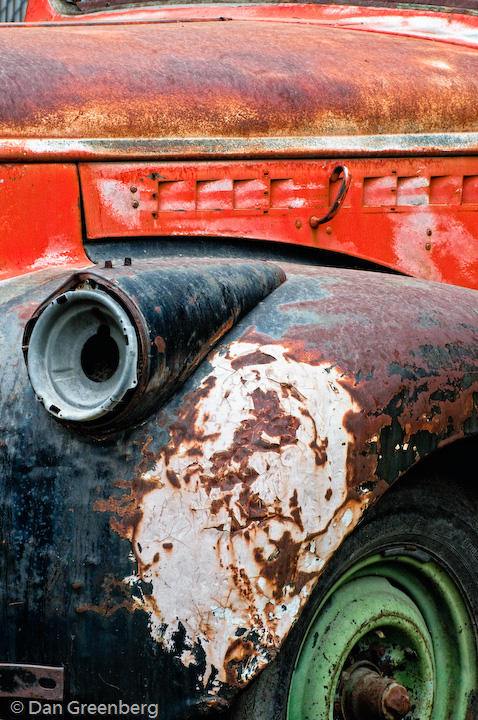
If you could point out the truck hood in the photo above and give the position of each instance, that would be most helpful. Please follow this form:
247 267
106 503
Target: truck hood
229 79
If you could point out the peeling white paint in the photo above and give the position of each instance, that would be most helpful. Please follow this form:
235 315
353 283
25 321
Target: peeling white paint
208 578
347 518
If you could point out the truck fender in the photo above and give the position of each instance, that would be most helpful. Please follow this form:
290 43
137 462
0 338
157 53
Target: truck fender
311 407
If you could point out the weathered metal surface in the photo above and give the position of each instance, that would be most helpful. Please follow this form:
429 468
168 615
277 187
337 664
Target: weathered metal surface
40 220
192 543
179 310
417 216
121 149
442 25
196 80
31 681
337 203
293 432
368 694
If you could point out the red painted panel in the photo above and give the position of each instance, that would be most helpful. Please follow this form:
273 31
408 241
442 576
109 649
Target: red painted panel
448 27
40 221
418 216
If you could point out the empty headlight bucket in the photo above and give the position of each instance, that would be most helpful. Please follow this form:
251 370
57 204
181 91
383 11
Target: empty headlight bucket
108 346
82 355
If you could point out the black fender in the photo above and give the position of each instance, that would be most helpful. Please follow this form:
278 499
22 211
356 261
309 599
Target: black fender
168 562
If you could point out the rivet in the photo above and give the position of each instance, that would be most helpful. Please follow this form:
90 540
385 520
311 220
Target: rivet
298 224
429 232
314 221
428 246
135 204
133 188
328 230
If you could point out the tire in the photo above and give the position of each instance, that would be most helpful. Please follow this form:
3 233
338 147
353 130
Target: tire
416 554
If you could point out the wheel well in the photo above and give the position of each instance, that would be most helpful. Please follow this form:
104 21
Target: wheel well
453 461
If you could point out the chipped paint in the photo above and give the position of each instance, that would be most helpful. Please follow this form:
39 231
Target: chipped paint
195 539
246 516
275 454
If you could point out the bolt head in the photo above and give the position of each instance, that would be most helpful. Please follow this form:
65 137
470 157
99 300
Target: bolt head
396 702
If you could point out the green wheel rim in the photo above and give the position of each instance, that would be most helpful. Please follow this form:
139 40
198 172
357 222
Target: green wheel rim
404 613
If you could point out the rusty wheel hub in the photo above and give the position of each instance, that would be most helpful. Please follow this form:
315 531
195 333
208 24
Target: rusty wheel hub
368 695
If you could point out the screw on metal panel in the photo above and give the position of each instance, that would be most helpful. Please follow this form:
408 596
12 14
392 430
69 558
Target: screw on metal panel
133 188
108 264
135 204
127 261
429 231
428 246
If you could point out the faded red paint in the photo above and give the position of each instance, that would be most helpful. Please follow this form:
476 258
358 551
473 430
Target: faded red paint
441 26
236 79
418 216
40 221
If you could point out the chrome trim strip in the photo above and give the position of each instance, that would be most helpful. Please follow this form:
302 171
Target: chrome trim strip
90 149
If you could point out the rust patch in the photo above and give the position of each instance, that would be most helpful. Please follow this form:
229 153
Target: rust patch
184 428
281 566
237 519
89 92
173 478
255 358
269 421
239 651
126 510
160 344
295 510
116 597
